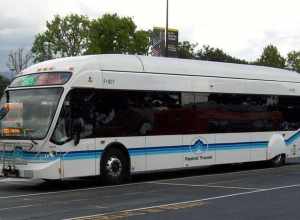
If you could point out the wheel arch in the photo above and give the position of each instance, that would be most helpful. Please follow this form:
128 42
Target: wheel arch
276 147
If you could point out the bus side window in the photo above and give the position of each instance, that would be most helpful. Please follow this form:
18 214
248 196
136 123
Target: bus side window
82 107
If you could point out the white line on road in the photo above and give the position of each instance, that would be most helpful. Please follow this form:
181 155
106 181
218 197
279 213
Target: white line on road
191 201
203 185
15 180
130 184
241 172
15 207
67 191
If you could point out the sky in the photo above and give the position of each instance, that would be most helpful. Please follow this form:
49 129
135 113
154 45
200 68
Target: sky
242 28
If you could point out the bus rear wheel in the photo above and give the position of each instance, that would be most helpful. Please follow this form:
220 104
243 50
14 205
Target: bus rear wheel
114 167
278 161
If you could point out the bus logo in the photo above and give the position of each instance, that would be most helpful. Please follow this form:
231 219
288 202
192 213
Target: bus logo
199 146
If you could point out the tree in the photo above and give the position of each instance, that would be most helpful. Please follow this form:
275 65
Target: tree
18 60
293 60
271 57
67 36
216 54
186 50
42 49
114 34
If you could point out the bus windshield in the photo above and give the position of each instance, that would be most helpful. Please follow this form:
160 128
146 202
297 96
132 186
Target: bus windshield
28 113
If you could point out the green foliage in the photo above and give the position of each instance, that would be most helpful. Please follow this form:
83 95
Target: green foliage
271 57
114 34
76 35
186 50
293 60
216 54
141 42
66 36
41 48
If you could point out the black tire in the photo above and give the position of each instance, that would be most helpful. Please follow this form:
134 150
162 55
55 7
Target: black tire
278 161
114 167
56 182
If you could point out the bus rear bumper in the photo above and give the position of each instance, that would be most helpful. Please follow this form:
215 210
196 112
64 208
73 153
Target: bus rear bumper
48 170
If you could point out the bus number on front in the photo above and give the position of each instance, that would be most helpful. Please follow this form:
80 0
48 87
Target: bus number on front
109 82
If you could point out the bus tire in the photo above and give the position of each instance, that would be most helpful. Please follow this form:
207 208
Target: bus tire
278 161
114 166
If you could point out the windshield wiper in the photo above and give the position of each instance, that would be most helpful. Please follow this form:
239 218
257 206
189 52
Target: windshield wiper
32 140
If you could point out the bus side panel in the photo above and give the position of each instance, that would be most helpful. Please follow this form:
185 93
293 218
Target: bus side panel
264 87
78 160
232 148
201 154
142 81
164 152
259 152
294 145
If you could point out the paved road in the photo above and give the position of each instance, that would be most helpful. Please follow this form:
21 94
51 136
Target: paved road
250 191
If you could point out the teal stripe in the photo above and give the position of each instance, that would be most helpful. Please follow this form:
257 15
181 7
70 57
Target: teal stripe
94 154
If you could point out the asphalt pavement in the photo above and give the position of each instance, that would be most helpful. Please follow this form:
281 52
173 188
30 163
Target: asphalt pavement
244 191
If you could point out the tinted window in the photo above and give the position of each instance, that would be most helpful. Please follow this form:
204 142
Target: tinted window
112 113
240 113
135 113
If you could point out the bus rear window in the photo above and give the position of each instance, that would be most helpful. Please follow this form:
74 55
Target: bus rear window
41 79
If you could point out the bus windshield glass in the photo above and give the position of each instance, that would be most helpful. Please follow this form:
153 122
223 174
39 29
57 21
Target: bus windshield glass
28 113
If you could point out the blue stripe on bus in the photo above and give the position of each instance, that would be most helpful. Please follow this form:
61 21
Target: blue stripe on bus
293 138
93 154
188 148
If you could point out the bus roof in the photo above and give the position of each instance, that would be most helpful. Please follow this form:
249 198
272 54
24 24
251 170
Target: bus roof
162 65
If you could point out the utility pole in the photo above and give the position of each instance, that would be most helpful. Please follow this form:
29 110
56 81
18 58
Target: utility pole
167 30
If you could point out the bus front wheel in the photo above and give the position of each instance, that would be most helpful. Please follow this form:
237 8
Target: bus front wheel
114 166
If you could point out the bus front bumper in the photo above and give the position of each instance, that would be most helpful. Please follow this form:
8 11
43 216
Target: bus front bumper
44 170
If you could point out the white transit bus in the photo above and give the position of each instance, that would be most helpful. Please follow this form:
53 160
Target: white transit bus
117 115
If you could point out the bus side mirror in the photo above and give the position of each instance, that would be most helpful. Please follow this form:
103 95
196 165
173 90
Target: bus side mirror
3 112
77 126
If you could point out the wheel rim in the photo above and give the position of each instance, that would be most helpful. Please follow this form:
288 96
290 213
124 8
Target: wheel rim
114 166
278 159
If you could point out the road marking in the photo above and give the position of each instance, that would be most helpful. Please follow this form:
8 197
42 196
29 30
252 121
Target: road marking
203 185
67 191
131 212
132 184
125 214
100 207
16 207
14 180
241 172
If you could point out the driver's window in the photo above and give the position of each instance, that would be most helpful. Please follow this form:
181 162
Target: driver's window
62 132
77 105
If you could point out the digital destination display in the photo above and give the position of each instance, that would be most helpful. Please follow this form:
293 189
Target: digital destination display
41 79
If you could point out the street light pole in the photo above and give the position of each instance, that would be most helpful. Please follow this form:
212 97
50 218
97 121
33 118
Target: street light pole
167 30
